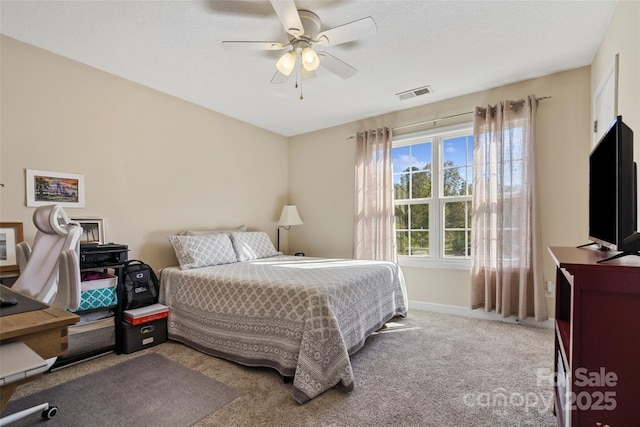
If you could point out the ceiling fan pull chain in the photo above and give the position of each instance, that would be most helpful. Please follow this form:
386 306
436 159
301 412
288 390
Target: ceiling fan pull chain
298 73
301 79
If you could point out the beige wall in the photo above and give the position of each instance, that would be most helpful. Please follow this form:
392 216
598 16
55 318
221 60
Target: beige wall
321 178
153 164
623 38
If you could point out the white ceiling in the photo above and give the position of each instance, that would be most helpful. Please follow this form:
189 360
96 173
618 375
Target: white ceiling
456 47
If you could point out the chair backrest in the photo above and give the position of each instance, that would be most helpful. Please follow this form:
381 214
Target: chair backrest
23 252
40 277
69 282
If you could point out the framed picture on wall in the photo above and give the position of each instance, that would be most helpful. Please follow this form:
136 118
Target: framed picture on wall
92 230
46 188
10 235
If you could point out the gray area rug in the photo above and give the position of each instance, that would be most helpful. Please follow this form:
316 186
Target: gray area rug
149 390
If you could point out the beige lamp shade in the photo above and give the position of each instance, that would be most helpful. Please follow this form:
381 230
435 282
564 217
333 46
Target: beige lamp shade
289 216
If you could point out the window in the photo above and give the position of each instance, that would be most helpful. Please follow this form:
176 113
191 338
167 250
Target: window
432 179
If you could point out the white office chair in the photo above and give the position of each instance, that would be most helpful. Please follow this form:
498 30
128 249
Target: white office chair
50 273
41 265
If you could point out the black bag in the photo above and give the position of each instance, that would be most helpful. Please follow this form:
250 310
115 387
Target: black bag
139 286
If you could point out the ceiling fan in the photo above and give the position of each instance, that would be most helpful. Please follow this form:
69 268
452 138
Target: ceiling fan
303 31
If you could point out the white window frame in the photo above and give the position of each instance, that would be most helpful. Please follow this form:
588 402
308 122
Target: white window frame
436 205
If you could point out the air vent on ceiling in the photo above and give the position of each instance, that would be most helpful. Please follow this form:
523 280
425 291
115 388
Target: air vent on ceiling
414 92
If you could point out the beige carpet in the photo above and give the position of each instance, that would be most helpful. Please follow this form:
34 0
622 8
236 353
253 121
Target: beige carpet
427 370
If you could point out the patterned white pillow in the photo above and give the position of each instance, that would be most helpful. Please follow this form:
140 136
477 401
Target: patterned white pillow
202 251
253 245
203 232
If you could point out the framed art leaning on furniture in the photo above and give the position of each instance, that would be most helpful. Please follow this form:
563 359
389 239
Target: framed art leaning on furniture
10 235
92 230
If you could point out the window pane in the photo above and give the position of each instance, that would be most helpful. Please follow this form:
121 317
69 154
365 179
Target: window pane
420 217
454 181
421 155
401 159
454 151
469 213
454 243
421 185
402 217
454 215
420 243
402 242
401 186
457 159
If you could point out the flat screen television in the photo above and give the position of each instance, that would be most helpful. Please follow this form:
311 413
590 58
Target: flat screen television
613 218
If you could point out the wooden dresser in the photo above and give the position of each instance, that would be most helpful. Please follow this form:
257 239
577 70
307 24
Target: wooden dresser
597 338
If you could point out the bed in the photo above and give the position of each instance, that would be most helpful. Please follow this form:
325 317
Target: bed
302 316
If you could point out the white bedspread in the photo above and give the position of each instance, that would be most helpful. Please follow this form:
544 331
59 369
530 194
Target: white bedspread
302 316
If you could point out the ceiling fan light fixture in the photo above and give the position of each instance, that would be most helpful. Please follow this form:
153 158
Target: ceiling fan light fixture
310 60
286 63
303 33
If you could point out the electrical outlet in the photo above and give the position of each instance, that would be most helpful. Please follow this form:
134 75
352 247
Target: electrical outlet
549 288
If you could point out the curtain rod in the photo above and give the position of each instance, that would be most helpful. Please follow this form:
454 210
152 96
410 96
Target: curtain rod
433 120
542 98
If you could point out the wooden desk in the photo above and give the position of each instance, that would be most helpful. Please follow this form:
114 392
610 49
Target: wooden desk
44 331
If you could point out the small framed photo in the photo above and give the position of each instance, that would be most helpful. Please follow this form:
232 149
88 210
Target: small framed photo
92 230
10 236
46 188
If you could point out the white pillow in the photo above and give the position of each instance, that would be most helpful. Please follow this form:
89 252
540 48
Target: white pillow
202 251
253 245
205 232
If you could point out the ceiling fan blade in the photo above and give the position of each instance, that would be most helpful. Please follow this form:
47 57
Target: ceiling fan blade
336 66
355 30
249 45
288 15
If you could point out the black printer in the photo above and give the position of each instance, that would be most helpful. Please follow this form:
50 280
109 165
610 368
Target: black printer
102 255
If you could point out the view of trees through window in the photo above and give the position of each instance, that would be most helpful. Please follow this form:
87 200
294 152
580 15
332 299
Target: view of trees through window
433 199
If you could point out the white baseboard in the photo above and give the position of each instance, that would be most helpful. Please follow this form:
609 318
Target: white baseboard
476 314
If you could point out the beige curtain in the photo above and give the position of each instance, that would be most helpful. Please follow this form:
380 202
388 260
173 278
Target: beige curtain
374 236
506 274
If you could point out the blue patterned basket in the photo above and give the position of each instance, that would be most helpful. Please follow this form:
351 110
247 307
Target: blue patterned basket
98 293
